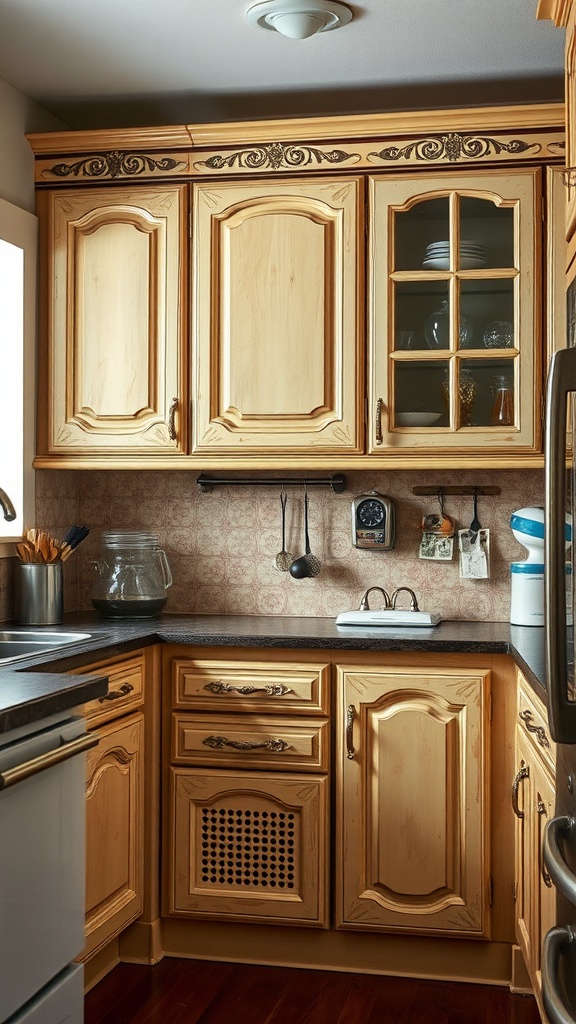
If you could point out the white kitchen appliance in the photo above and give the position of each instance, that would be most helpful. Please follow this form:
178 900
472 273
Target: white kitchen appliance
42 871
527 577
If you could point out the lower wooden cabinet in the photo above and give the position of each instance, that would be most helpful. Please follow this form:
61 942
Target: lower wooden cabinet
249 845
533 797
115 812
114 830
412 800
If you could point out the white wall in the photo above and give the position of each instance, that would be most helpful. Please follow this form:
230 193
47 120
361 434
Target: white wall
19 115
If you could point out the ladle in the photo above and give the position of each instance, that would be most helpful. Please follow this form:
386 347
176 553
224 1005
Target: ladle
308 564
284 558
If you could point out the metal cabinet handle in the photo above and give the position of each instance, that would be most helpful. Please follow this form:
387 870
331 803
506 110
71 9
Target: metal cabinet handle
557 830
172 419
559 943
524 773
272 689
219 742
379 435
526 717
116 694
541 809
350 715
39 764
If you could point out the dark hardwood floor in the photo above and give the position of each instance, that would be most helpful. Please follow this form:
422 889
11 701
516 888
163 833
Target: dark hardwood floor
204 992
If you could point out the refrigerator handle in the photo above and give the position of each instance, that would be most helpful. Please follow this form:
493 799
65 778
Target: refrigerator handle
559 830
558 944
561 711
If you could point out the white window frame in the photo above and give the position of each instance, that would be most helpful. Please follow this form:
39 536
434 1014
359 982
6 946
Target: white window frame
20 228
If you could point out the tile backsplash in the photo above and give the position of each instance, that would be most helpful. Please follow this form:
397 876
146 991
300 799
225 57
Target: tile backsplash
221 545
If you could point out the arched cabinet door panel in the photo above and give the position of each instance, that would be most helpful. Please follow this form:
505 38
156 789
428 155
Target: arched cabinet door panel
412 812
114 357
276 329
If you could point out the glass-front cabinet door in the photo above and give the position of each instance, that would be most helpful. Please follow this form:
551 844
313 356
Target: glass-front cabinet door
454 339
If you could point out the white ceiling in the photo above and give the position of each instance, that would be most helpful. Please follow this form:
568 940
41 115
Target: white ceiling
118 62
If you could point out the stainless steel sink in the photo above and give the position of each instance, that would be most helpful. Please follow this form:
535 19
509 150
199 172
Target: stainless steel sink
21 643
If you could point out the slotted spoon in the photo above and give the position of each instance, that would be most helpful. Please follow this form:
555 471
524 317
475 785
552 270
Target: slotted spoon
284 558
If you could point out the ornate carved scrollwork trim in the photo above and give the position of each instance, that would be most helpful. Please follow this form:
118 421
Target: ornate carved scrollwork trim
454 147
114 164
275 156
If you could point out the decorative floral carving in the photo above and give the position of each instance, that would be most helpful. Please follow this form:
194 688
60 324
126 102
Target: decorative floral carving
454 147
274 156
114 164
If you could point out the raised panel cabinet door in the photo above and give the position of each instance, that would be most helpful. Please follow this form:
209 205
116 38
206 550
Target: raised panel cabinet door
523 848
115 364
276 327
544 892
249 846
114 830
412 803
454 315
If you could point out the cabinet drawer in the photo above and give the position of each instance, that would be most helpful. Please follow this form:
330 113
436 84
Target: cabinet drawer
250 686
234 740
533 724
125 689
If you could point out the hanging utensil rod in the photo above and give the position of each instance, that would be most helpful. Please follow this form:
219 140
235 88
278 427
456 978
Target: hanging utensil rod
489 489
337 482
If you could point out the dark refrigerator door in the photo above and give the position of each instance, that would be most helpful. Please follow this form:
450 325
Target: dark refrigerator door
559 951
559 490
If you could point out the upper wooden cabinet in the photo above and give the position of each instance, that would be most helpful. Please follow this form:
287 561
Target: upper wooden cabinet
113 361
277 359
248 345
453 311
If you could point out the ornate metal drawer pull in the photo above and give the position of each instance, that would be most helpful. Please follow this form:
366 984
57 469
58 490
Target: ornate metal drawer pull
379 435
116 694
272 689
219 742
172 419
526 717
350 715
541 809
524 773
569 176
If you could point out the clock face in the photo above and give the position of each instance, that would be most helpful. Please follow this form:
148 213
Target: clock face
370 512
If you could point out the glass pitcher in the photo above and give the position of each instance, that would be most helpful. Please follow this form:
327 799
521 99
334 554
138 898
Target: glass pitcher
132 575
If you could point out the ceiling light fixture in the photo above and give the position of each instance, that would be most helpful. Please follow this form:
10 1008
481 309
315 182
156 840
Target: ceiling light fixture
299 19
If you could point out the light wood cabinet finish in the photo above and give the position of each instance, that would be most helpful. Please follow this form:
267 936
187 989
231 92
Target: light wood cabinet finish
533 797
249 846
115 830
402 293
278 687
253 742
113 363
412 809
125 689
277 351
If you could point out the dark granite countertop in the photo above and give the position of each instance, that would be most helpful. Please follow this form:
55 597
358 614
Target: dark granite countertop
37 686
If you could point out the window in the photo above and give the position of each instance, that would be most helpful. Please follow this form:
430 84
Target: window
18 243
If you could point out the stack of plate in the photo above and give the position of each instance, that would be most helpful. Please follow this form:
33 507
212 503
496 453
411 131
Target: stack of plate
437 256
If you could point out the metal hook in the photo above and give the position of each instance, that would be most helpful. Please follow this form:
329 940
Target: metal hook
441 500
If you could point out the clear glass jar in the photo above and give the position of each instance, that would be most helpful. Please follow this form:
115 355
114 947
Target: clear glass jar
502 413
437 329
466 395
131 576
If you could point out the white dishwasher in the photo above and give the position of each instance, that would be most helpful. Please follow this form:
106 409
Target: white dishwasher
42 872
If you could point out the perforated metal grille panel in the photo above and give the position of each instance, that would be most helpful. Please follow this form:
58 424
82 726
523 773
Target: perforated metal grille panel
249 850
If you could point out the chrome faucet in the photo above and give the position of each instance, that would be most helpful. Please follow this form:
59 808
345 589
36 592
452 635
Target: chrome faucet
365 607
413 601
7 506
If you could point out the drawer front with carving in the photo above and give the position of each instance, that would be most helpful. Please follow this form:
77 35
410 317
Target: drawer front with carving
251 742
125 689
533 724
250 686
